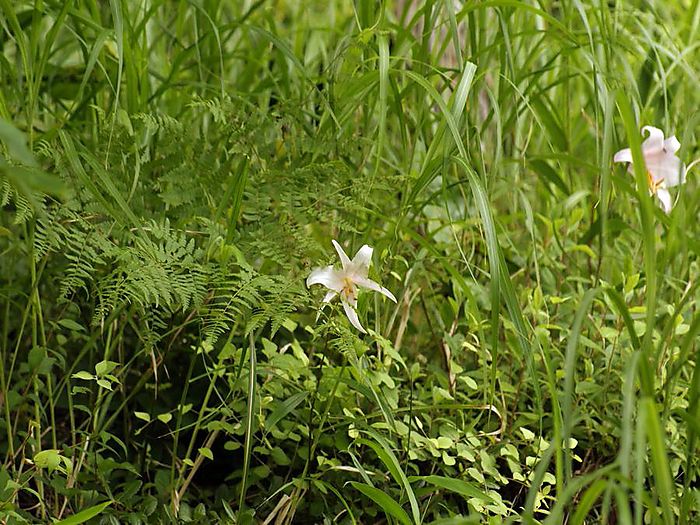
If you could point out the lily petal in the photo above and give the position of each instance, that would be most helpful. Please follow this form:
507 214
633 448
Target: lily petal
655 142
624 155
371 285
671 145
344 259
361 261
665 198
329 296
328 277
666 167
675 178
352 316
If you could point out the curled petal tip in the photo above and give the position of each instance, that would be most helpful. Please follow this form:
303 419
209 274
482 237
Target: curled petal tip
652 130
654 142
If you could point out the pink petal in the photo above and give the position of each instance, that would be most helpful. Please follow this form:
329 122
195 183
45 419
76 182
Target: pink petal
671 145
655 142
665 198
624 155
668 168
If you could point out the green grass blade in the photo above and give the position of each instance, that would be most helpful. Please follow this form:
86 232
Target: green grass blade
568 408
663 486
587 501
248 445
500 275
649 235
385 502
383 450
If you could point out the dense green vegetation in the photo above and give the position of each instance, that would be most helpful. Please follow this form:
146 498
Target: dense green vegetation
171 173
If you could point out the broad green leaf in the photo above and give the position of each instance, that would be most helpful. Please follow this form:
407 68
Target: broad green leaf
144 416
71 325
457 486
49 459
105 367
85 515
83 374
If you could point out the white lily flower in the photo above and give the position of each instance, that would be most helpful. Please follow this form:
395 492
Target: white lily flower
346 282
664 169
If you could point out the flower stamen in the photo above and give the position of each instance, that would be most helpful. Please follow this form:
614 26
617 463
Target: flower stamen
654 185
348 288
